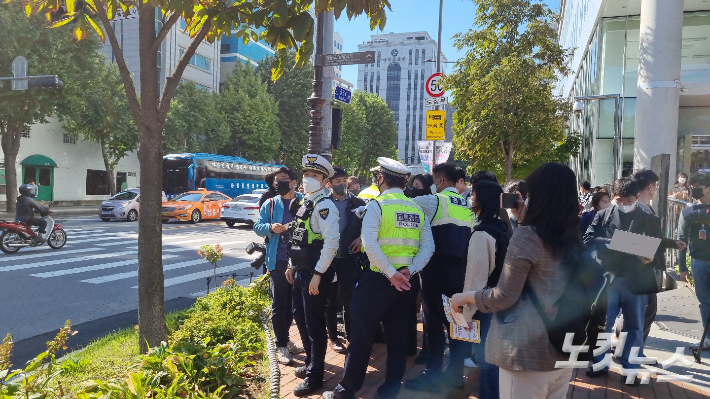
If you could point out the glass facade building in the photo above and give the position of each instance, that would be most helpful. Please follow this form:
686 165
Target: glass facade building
606 62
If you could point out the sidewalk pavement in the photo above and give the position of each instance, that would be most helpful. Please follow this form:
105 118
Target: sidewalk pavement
677 325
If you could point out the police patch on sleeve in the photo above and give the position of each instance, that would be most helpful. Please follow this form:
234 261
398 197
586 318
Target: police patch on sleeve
324 213
457 201
407 220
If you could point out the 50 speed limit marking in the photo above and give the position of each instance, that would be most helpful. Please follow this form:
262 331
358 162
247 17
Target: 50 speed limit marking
433 85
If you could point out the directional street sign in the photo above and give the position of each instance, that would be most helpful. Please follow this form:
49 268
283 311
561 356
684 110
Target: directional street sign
433 85
19 70
342 94
433 102
363 57
435 125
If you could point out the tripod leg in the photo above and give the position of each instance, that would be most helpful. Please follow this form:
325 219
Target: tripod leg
697 352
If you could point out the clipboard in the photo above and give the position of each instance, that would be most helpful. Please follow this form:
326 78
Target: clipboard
634 244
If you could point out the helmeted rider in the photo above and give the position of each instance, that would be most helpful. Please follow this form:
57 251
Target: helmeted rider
26 207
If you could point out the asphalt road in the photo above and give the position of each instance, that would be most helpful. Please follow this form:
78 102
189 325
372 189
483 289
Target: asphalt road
94 277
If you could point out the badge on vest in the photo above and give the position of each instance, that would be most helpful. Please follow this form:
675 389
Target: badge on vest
324 213
457 201
407 220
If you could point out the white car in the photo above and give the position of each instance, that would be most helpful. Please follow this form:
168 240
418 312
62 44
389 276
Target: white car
243 209
259 191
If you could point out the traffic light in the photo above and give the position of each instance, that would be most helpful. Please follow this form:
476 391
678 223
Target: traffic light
48 82
337 122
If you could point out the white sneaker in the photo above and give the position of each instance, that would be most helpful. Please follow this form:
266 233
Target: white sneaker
447 352
468 362
706 345
283 356
294 348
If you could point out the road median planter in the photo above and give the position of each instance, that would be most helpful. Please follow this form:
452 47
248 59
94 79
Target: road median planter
217 349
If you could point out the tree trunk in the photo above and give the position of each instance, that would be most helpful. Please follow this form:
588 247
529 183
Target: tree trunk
151 306
509 162
109 170
10 147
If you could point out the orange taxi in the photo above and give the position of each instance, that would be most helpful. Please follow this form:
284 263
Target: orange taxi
194 206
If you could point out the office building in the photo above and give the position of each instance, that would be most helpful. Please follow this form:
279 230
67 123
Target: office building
653 54
233 50
403 63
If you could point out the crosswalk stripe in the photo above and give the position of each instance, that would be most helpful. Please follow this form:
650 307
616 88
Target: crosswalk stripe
19 257
133 241
69 260
122 276
192 248
85 269
203 274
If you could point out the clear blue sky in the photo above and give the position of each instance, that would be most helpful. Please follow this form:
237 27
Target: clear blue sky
411 16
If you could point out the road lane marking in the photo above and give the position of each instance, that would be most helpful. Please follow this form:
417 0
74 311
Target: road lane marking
7 258
69 260
85 269
203 274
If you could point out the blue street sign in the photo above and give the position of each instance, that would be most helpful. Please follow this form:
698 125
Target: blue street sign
342 94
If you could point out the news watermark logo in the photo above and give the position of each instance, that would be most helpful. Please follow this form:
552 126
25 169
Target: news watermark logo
603 360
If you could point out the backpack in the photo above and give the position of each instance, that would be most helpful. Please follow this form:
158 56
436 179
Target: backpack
582 306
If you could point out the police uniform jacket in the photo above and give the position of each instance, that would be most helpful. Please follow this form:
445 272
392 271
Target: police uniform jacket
324 221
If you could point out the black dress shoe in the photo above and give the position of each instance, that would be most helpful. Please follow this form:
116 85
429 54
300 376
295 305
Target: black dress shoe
308 386
594 374
300 372
423 357
425 383
379 395
337 346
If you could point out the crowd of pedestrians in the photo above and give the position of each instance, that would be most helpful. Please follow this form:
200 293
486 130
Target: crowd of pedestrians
383 255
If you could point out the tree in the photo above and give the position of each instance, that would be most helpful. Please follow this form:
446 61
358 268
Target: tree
506 112
251 114
286 25
98 111
48 52
291 90
368 132
194 123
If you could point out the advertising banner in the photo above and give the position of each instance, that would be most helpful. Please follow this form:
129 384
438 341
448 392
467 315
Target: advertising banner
442 152
426 154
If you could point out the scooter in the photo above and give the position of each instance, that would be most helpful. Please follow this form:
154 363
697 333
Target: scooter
17 235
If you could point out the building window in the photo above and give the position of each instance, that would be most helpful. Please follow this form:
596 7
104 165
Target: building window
410 56
69 138
26 133
378 58
372 79
225 48
97 182
198 61
416 57
183 24
423 56
377 84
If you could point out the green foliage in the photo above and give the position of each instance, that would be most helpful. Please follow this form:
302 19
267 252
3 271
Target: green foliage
194 122
291 91
368 132
251 114
506 114
34 380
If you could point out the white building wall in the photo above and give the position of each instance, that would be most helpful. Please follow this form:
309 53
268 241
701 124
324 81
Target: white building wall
73 161
396 48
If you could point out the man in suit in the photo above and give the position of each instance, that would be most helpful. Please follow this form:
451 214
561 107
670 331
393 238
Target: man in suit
633 277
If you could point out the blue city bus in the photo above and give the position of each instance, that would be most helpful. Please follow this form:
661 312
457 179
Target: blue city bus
231 176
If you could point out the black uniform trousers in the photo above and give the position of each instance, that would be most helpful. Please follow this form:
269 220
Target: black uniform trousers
375 300
341 294
281 305
309 312
442 276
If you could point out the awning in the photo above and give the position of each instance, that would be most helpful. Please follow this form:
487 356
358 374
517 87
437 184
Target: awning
39 160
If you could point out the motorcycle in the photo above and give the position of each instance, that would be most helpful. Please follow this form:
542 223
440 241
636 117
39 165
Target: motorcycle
17 235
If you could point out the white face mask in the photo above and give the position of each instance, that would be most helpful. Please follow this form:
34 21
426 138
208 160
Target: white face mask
627 208
311 185
682 180
433 188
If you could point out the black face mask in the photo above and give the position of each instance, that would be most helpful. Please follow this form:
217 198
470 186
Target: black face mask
283 187
698 193
413 192
340 189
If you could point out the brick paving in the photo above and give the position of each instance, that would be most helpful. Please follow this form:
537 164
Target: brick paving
581 387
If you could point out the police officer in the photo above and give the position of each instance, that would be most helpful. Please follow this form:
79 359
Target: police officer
451 223
314 243
397 237
372 191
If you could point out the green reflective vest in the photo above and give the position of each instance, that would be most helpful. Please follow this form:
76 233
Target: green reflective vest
398 237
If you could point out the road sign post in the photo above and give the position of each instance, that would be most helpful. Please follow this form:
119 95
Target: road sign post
433 85
342 94
436 125
362 57
19 72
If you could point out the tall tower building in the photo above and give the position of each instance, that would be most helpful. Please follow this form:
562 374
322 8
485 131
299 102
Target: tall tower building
403 63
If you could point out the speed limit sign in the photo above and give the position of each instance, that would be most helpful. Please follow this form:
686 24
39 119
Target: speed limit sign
433 85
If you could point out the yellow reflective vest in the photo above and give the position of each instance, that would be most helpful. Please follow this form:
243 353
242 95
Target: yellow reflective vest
399 232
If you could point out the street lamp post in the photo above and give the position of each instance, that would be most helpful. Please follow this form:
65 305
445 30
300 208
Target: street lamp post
617 125
316 101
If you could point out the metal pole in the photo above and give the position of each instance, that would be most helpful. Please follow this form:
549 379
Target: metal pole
328 73
438 64
316 101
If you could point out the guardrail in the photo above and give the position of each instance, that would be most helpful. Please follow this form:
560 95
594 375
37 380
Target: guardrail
675 207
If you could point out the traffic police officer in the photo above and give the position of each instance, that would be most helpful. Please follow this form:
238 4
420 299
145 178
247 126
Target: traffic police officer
451 223
314 243
397 237
372 191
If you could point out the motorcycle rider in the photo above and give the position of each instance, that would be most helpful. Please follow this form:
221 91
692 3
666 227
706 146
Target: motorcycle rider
26 207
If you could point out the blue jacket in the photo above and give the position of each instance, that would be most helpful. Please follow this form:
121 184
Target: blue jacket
262 227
